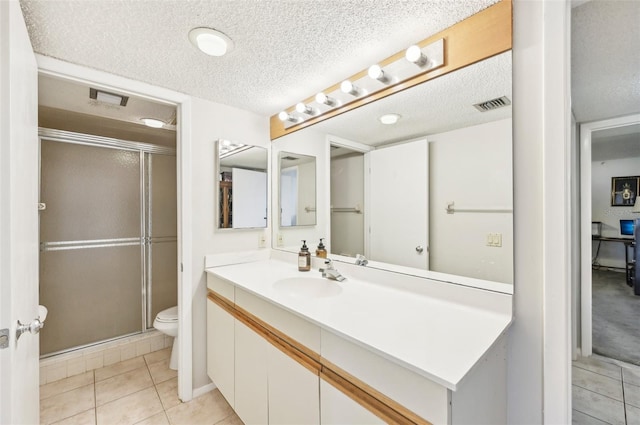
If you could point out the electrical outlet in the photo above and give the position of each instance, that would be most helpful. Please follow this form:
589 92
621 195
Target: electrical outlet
489 239
494 239
280 241
262 241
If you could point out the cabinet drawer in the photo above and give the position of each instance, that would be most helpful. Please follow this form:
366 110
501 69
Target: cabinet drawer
221 287
300 330
416 393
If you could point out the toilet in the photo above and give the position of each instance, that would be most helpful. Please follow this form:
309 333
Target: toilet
167 322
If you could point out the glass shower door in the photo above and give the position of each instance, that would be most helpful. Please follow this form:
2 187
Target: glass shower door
161 235
91 246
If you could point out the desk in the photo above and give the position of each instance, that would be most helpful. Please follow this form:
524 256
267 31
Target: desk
630 271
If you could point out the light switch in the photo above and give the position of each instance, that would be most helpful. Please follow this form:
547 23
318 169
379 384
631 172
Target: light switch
280 242
497 239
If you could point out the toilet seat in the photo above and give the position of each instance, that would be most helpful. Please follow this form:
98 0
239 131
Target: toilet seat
169 315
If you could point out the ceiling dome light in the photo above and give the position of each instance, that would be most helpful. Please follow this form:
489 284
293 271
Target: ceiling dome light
152 122
210 41
415 55
389 119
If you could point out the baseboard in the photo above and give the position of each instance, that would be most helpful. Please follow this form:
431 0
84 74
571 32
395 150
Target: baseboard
197 392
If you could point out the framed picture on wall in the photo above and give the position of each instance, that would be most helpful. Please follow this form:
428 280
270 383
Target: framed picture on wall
624 191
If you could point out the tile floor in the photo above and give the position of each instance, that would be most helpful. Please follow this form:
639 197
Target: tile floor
141 390
605 391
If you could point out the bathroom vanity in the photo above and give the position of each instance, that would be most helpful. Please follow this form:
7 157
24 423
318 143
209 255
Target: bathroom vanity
381 347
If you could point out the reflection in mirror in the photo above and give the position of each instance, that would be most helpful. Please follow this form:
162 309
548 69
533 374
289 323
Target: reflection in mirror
242 185
347 200
437 184
297 189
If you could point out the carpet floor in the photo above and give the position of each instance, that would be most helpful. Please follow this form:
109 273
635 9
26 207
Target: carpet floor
616 317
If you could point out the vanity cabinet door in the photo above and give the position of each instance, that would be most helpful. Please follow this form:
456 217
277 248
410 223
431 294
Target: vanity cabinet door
220 350
251 402
294 391
338 409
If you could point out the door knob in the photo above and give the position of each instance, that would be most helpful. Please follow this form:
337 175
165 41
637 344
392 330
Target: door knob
419 249
33 327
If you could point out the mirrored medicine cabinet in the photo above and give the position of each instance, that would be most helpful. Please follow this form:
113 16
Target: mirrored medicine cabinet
242 185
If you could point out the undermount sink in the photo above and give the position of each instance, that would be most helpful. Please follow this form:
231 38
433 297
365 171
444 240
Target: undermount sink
308 287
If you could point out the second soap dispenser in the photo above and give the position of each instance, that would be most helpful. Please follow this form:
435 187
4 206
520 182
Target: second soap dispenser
304 258
321 252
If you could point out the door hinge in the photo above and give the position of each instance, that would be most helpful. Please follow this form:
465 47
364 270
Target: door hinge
181 267
4 338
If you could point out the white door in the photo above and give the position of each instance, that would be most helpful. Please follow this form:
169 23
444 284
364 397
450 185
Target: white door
19 366
399 204
249 198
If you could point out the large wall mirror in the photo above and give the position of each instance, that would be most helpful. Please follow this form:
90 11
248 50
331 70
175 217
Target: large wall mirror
242 185
430 194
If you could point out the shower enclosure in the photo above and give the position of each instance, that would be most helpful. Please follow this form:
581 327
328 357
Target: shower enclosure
108 244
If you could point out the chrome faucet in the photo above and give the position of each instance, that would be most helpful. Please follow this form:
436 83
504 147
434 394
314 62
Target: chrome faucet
361 260
330 272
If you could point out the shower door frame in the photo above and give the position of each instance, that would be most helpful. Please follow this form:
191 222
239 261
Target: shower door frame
145 240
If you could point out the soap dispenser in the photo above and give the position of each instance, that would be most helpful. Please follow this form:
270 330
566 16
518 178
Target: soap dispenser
304 258
321 252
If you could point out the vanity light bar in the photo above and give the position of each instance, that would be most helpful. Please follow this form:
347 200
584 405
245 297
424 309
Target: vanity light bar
416 60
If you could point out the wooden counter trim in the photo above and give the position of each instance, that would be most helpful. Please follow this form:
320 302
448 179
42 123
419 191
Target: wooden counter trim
353 387
368 397
297 351
366 400
480 36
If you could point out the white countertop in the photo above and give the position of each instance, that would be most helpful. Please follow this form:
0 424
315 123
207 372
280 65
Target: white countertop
438 339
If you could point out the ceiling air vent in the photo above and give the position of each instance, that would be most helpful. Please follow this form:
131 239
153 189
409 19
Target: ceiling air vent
289 158
492 104
107 97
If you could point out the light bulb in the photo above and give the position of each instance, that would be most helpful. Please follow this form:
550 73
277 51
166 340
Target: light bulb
415 55
304 109
325 100
285 116
376 72
348 87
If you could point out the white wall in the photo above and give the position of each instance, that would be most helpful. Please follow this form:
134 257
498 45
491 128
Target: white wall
461 171
307 142
211 121
611 253
539 367
347 191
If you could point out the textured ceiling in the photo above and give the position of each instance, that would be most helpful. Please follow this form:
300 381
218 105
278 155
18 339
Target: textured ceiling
605 59
616 143
284 50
